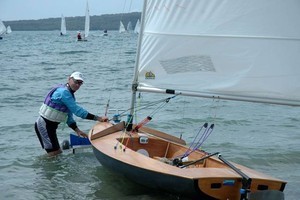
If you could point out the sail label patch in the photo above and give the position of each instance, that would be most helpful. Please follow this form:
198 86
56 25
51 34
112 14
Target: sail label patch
149 75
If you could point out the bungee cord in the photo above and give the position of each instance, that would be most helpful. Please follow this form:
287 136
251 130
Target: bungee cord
197 143
194 141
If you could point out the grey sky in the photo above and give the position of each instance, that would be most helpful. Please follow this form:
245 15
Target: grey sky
40 9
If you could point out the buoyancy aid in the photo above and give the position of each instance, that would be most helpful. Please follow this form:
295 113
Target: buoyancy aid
54 111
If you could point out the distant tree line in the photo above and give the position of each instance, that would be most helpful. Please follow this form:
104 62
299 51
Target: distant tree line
107 21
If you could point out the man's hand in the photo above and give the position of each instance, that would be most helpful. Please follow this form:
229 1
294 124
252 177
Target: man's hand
102 119
81 133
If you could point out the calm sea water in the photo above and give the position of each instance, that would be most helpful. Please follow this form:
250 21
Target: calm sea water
260 136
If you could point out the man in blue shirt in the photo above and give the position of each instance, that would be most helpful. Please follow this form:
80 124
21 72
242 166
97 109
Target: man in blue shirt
59 106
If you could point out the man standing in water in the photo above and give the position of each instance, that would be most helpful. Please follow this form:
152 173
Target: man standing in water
59 106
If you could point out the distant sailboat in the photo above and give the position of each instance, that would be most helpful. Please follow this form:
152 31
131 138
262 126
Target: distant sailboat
63 28
2 29
122 27
87 21
8 30
129 26
87 24
137 26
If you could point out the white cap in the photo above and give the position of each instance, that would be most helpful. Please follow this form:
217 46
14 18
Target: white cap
77 76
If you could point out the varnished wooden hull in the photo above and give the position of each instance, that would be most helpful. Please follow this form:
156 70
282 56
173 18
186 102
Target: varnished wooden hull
211 179
152 179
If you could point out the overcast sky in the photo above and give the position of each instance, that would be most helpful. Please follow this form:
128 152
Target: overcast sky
40 9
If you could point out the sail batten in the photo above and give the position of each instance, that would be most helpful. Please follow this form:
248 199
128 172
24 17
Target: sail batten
244 50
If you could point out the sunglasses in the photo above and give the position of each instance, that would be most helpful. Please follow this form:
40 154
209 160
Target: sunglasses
78 82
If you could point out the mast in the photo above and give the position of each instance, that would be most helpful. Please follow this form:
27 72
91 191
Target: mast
135 77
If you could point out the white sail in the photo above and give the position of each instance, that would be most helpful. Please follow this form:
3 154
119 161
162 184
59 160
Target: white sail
137 26
2 28
63 28
8 30
129 26
240 50
122 27
87 21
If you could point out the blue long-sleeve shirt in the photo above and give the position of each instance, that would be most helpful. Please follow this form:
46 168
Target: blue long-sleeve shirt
64 96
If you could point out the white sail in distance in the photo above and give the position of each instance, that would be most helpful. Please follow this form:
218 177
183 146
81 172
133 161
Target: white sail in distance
8 30
63 27
129 26
87 21
137 26
122 27
2 28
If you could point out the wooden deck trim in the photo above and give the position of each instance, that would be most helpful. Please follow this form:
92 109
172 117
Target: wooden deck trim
117 127
163 135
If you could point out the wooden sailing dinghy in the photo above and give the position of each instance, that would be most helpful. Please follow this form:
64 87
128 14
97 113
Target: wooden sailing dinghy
210 49
147 157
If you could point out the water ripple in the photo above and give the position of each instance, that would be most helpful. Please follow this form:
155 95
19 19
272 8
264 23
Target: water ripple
73 52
